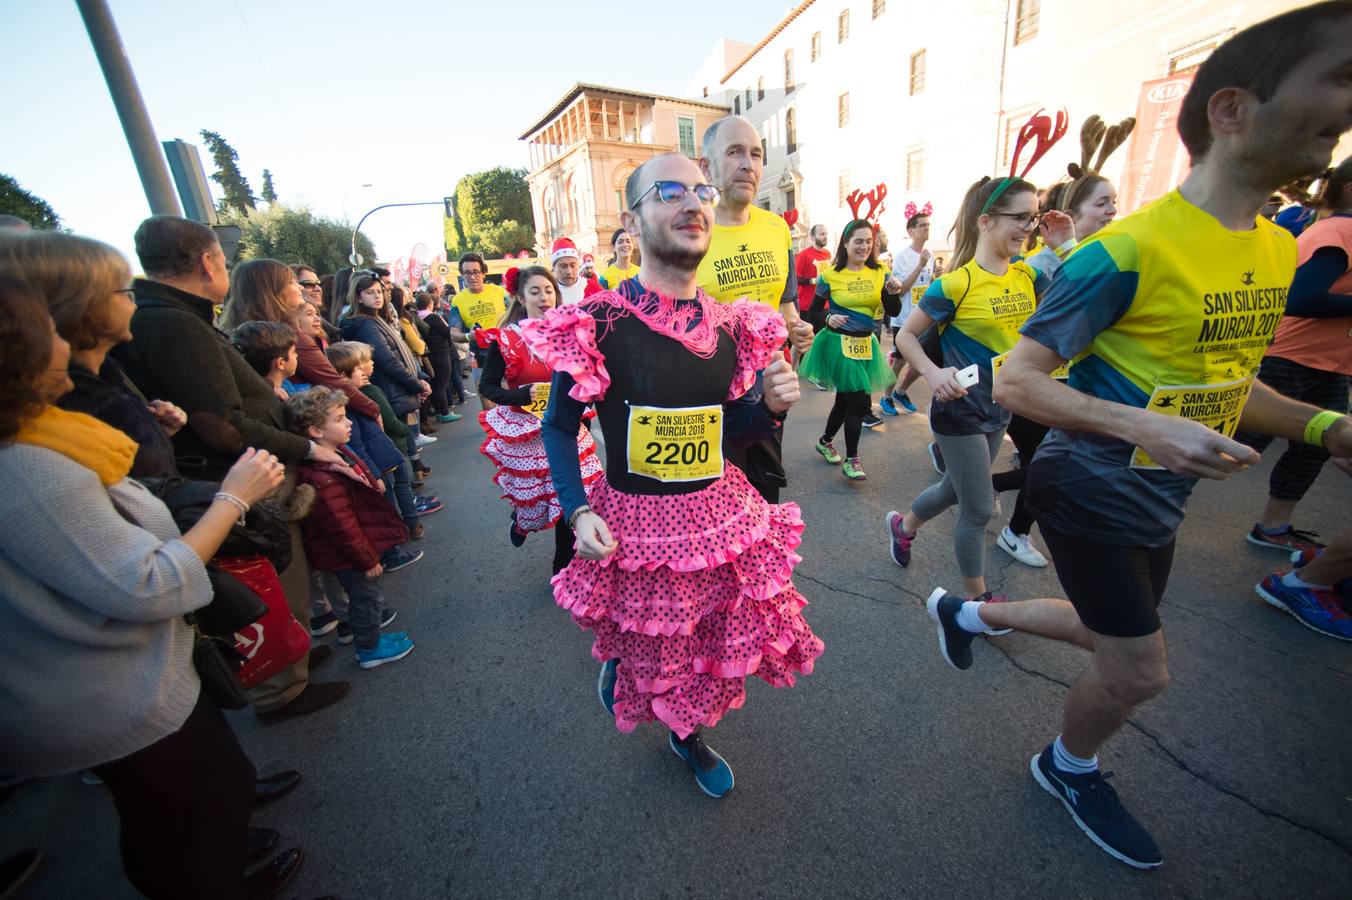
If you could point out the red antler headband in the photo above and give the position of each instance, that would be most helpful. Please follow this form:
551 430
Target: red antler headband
856 199
1046 133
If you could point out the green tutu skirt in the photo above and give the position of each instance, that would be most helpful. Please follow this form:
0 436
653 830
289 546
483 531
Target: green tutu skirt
827 363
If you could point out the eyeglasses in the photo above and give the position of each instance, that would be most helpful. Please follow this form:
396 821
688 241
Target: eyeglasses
674 192
1023 220
311 285
130 292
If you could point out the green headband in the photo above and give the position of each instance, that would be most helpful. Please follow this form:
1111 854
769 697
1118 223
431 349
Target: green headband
985 208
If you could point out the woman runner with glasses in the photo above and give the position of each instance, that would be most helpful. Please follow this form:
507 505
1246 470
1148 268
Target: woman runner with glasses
979 305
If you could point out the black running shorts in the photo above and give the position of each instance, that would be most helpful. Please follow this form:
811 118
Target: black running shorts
1116 590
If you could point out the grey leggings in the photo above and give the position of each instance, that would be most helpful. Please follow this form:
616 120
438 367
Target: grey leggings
967 459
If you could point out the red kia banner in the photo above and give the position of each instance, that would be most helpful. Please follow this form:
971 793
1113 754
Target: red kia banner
1156 160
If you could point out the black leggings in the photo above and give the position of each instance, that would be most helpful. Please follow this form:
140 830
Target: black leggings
850 408
441 380
563 546
1027 435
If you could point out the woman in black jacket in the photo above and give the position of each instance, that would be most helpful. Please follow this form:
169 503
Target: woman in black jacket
441 352
396 371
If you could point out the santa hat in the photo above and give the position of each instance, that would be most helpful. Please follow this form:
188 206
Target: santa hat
563 247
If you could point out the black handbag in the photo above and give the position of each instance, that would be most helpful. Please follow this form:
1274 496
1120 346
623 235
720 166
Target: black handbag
234 606
262 534
217 663
929 338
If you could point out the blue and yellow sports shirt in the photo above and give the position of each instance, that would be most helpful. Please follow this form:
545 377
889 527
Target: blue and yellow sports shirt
980 314
1165 309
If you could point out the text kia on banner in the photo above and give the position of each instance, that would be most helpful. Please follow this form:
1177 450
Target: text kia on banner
1157 160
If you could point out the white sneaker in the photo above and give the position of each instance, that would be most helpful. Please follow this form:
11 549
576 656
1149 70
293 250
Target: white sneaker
423 440
1019 547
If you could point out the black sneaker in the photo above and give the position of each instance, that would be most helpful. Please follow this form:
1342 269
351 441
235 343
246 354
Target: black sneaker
344 633
937 458
872 421
322 625
402 558
955 642
1093 805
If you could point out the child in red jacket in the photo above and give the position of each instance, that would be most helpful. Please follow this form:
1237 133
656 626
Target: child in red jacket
350 524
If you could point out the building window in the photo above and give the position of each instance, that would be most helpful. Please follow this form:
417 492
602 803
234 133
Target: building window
843 27
879 7
1025 21
737 105
619 200
843 188
791 131
748 98
706 92
765 150
1188 57
1014 122
816 45
790 199
760 88
788 71
915 169
917 72
685 130
843 110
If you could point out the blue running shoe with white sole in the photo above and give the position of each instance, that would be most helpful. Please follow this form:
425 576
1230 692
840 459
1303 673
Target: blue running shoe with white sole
712 772
1318 609
903 401
605 684
1094 807
888 408
955 642
388 650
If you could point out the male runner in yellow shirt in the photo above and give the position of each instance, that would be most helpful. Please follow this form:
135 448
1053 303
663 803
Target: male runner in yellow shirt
750 255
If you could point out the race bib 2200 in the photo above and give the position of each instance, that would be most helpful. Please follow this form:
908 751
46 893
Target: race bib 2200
676 444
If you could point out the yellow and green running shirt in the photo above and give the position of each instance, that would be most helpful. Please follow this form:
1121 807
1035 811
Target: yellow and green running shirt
613 275
856 295
753 260
1165 309
481 310
980 314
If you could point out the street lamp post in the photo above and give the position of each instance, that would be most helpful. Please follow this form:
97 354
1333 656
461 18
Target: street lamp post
347 193
356 258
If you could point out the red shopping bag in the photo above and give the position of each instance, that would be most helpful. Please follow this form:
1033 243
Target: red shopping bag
275 641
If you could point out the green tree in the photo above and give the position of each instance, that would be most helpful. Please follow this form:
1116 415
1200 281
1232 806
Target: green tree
238 196
490 198
15 201
498 238
295 234
269 193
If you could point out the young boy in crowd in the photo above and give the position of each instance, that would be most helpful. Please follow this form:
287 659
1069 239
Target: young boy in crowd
350 524
270 350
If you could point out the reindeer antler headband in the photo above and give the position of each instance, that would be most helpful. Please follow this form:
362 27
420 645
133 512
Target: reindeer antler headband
1046 133
856 199
1094 135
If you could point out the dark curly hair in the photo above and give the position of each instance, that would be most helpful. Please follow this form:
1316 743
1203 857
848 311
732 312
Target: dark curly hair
26 335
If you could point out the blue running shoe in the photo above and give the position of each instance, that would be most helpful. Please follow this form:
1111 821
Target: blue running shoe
903 401
887 407
712 772
1318 609
1093 805
955 642
605 684
388 650
398 558
1301 558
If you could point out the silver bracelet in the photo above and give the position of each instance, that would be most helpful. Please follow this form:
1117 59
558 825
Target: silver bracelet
577 514
235 502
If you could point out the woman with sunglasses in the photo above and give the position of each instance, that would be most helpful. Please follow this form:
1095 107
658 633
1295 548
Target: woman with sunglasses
624 264
857 290
517 382
979 305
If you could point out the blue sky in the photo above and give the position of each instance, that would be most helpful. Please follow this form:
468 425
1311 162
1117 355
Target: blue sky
407 96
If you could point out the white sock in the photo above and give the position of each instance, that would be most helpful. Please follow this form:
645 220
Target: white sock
1064 760
1292 580
969 617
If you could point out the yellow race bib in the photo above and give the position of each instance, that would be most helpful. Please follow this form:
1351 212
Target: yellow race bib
852 347
918 291
539 399
998 362
1217 406
676 444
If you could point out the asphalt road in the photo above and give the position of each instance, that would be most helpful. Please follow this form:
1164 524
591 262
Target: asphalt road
483 765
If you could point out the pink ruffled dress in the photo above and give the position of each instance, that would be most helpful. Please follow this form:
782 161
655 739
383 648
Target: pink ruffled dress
699 594
513 440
